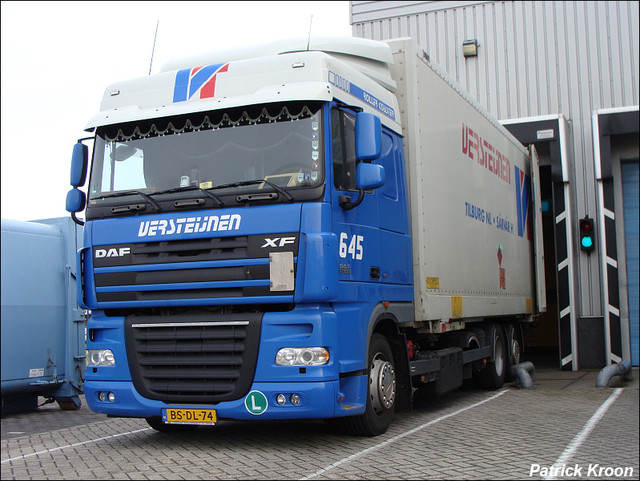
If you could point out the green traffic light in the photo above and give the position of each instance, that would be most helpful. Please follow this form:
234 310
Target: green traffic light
586 242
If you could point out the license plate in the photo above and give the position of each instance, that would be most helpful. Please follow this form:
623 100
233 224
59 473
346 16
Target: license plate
189 416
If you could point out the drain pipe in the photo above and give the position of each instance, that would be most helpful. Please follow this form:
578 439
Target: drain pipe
524 372
621 369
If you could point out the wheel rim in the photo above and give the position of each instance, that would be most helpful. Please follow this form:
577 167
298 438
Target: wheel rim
516 352
382 384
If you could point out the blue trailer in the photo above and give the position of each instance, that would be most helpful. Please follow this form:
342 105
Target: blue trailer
43 329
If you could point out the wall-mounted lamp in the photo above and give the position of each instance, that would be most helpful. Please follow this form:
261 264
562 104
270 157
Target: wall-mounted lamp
470 48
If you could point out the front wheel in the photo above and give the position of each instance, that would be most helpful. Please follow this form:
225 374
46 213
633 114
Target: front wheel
381 392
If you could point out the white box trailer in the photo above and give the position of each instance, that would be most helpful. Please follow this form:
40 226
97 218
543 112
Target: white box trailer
473 215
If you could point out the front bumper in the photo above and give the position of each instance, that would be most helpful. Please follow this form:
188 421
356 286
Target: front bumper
324 390
317 400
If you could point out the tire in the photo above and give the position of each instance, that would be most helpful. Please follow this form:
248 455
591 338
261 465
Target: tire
494 373
157 424
381 393
513 350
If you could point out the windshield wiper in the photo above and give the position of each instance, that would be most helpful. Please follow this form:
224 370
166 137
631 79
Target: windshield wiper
132 192
275 187
215 198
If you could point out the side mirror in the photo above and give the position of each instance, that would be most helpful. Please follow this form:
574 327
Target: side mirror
369 176
76 200
368 136
79 162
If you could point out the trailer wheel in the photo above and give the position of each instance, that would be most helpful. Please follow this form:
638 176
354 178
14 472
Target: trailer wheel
157 424
381 393
493 375
513 350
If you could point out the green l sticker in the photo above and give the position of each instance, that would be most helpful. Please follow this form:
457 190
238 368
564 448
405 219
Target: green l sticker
256 402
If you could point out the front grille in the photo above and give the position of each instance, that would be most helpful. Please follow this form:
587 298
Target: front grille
205 358
209 268
188 250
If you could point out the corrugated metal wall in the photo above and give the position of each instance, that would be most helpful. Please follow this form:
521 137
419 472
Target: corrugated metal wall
534 58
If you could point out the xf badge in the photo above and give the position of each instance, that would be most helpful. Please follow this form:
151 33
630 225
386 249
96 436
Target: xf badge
279 242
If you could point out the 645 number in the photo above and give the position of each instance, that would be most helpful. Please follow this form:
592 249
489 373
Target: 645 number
354 247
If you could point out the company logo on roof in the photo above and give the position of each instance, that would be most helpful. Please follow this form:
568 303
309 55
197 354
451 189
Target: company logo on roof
190 81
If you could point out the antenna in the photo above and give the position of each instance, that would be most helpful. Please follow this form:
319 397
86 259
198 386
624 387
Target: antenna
309 36
154 46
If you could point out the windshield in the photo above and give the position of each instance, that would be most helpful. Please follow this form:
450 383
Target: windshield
232 150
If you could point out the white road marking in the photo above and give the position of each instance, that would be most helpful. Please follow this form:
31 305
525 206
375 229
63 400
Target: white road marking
579 438
25 456
400 436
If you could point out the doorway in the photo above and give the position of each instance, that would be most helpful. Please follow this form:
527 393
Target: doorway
553 339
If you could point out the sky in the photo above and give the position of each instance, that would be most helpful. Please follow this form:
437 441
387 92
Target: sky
58 57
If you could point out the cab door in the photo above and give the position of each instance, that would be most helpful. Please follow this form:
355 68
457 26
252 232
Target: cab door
393 211
359 253
374 240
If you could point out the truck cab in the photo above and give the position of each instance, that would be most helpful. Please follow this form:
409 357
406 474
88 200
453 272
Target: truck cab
244 219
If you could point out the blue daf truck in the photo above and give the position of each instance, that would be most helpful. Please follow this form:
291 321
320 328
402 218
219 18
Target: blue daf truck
312 229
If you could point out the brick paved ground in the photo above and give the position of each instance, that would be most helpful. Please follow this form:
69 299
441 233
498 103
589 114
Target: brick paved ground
465 435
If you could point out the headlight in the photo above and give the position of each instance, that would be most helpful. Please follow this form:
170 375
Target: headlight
302 356
100 357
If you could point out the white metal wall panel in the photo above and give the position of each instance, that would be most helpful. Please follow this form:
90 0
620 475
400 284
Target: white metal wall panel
543 57
534 59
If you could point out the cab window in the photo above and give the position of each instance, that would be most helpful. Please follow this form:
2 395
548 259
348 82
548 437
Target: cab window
344 149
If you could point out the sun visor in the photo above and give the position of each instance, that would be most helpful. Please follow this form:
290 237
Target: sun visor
307 91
